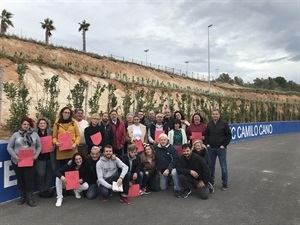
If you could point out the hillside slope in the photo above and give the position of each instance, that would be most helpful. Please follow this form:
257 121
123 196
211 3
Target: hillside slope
46 61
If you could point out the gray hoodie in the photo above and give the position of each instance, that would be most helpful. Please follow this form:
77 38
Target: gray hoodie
106 168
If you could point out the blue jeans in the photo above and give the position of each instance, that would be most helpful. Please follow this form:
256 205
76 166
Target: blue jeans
92 191
163 180
105 192
221 153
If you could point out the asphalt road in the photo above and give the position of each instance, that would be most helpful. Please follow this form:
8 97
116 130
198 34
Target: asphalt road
264 188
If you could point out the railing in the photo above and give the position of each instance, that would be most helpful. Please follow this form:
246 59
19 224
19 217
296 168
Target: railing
179 72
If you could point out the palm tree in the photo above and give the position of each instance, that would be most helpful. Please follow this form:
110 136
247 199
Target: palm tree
5 21
84 26
48 25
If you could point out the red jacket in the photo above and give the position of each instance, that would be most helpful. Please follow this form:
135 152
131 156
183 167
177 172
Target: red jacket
119 133
196 128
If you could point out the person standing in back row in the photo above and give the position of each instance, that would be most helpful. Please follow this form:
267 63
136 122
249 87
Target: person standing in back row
218 136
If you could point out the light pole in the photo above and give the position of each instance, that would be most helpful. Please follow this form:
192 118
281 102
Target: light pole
217 71
208 54
187 67
146 50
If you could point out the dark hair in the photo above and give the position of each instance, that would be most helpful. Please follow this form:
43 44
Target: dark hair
186 145
60 120
176 121
136 115
27 119
113 110
73 164
107 146
197 114
43 119
182 116
105 113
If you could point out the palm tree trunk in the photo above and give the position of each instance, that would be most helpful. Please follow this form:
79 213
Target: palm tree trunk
83 40
46 36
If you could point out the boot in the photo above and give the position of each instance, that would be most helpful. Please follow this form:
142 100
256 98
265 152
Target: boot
29 199
22 198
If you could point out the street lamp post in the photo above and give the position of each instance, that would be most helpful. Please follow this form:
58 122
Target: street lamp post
217 73
146 50
208 54
187 67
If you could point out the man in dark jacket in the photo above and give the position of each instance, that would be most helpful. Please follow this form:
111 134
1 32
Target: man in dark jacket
193 171
106 131
217 137
158 125
92 161
132 160
167 158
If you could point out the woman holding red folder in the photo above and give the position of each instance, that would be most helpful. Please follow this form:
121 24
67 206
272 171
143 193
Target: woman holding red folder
66 128
79 164
197 128
92 133
46 160
137 132
23 141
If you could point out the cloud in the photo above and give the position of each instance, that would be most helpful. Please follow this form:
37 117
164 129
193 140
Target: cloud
247 37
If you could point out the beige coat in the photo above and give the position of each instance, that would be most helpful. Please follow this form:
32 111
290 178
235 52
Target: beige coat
129 134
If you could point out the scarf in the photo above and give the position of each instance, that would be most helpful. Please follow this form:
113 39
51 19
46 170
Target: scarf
26 135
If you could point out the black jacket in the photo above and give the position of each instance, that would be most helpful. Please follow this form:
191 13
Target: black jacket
107 135
88 132
93 173
136 163
217 134
84 172
205 155
152 128
167 157
196 163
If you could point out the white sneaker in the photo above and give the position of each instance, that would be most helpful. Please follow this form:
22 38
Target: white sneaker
77 193
58 202
141 192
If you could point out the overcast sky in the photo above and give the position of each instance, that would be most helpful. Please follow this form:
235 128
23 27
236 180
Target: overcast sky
249 39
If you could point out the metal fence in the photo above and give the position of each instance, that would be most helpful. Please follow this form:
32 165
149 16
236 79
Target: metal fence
179 72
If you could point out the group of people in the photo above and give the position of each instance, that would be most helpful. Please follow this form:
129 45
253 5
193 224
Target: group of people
111 155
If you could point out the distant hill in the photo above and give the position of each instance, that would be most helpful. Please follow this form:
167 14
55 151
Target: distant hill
238 104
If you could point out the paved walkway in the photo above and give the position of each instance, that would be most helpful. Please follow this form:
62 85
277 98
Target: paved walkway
264 188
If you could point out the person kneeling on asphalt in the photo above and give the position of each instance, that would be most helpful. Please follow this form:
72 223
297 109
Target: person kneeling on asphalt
167 158
108 172
193 171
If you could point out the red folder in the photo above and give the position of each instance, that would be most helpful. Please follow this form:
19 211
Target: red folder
179 149
157 133
96 138
46 144
134 191
26 156
72 178
65 140
196 136
139 145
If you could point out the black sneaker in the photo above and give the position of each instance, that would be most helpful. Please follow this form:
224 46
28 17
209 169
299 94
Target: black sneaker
211 188
224 187
186 193
178 194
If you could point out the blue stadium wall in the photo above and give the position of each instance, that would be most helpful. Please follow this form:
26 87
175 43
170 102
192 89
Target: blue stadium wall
240 132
